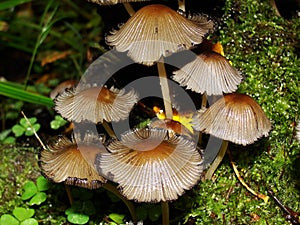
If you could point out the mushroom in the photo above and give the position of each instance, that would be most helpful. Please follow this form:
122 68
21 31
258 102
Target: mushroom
236 118
95 104
209 73
72 163
156 31
149 166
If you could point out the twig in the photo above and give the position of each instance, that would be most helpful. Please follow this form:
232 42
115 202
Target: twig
35 134
259 195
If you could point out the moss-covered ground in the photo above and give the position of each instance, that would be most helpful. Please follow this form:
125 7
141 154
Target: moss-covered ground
265 47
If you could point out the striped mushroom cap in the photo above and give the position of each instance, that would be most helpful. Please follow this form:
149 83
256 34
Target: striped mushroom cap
151 167
72 163
236 118
155 31
209 72
95 104
113 2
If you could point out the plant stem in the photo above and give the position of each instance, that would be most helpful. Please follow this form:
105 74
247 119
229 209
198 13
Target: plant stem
129 8
165 88
181 5
128 203
165 213
217 160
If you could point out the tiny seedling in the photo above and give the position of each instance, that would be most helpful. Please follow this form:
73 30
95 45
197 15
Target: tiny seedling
25 127
21 216
116 218
80 212
34 192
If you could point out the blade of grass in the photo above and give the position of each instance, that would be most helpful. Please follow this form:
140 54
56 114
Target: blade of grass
19 94
12 3
47 20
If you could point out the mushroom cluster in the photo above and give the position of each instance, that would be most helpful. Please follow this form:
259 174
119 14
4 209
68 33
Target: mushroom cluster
159 162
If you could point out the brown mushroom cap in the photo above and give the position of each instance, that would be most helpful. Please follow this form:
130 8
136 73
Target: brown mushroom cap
113 2
95 104
155 31
210 72
151 167
236 118
66 161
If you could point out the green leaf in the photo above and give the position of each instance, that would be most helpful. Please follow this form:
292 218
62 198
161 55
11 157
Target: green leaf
78 218
30 190
21 213
42 183
58 122
39 198
118 218
18 130
12 3
4 134
9 140
8 219
26 96
25 123
30 130
30 221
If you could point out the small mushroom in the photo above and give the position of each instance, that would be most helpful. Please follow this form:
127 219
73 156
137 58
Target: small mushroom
157 31
209 73
149 166
236 118
95 104
62 87
72 163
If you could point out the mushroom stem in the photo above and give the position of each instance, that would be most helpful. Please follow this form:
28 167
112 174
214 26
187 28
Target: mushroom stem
70 197
129 204
217 160
129 8
165 213
181 5
165 88
204 100
259 195
108 129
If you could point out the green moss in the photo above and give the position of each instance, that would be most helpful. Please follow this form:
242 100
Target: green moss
264 47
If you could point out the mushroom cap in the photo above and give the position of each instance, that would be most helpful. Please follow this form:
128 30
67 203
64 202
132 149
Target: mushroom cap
155 31
236 118
150 166
66 161
209 72
95 104
113 2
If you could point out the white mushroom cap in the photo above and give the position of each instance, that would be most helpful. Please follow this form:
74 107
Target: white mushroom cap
151 167
155 31
210 72
236 118
95 104
66 161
